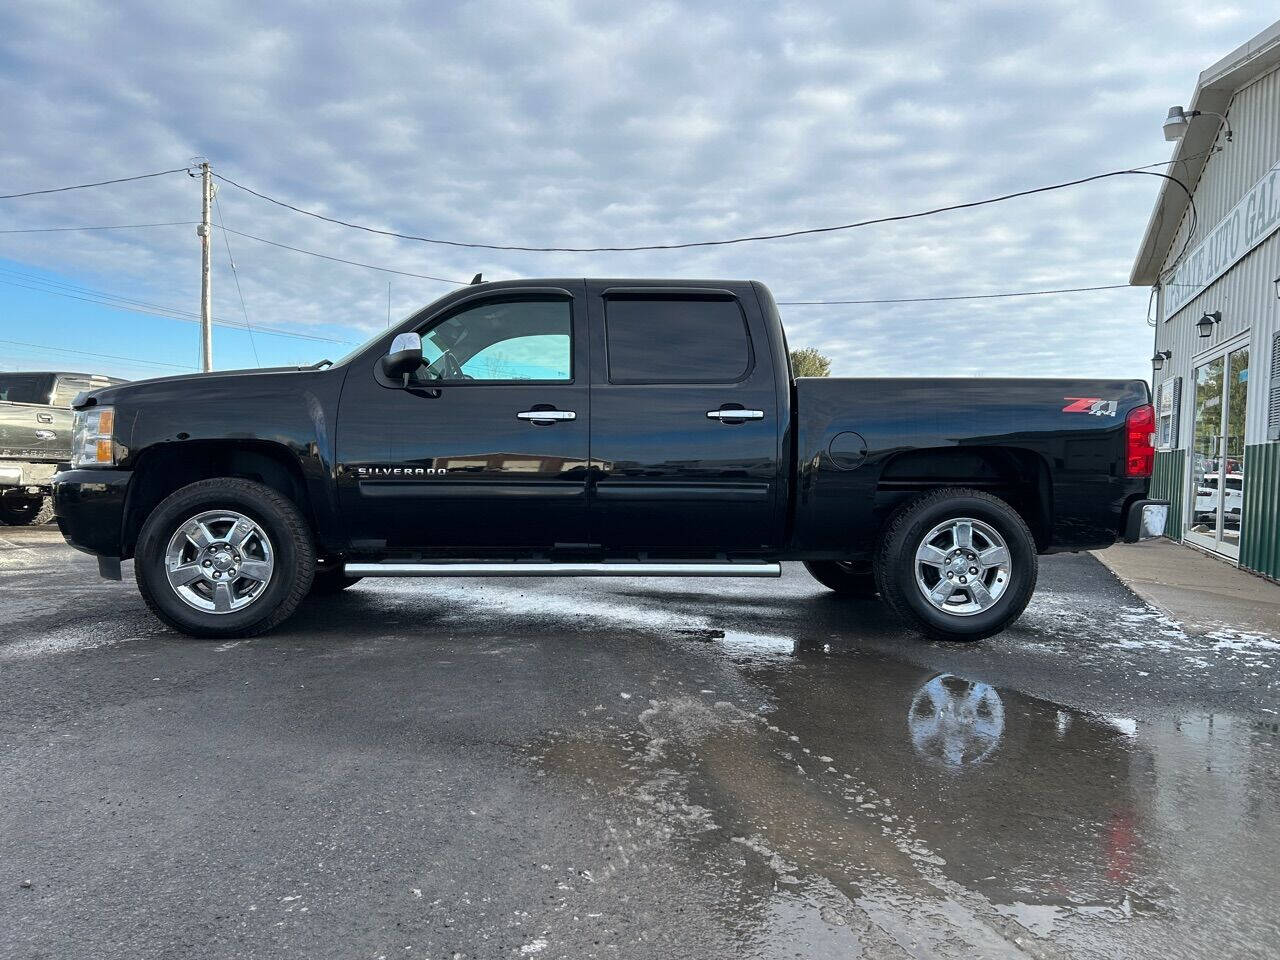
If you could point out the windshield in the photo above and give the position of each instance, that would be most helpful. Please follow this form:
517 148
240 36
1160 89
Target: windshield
25 387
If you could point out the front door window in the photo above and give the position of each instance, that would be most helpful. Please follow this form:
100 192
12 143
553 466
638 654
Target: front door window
502 341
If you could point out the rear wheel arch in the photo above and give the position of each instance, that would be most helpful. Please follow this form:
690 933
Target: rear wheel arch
1016 475
165 469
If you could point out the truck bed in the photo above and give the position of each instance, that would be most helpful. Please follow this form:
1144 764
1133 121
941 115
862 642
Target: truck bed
861 447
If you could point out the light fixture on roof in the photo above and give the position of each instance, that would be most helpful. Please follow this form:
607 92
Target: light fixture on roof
1157 362
1206 323
1179 120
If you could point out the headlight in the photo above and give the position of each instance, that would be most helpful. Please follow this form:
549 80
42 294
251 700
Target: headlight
92 443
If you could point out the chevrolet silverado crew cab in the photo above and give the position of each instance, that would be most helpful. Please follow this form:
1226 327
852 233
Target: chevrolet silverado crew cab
35 436
599 428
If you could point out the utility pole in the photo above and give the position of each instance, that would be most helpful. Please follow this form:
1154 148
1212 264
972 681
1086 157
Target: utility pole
206 288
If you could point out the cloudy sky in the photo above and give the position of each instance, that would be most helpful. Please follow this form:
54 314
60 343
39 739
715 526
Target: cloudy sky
588 124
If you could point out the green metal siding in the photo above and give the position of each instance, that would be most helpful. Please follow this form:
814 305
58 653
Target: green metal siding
1260 536
1167 484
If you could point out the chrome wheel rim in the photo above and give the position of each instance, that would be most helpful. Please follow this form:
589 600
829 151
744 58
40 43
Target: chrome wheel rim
963 567
219 561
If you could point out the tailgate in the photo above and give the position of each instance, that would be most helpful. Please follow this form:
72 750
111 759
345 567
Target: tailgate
30 431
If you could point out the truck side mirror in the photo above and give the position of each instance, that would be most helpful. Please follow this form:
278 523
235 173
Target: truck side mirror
404 357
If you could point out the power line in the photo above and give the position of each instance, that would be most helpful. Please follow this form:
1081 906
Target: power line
100 294
121 303
807 231
103 298
111 226
99 356
353 263
239 292
99 183
103 295
971 296
105 301
463 283
247 236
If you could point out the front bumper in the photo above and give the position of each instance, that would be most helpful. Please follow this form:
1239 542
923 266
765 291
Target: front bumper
28 476
1145 520
89 506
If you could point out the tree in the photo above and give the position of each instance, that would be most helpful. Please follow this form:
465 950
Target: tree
808 362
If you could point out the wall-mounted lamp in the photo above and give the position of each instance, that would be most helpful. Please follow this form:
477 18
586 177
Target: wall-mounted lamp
1206 323
1157 362
1276 283
1179 121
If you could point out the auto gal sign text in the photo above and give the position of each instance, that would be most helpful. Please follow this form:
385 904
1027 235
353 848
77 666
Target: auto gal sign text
1250 221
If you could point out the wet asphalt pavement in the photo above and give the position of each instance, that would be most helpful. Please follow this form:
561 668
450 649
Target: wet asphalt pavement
627 768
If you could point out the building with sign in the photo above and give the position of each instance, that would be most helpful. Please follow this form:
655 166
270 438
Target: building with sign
1213 260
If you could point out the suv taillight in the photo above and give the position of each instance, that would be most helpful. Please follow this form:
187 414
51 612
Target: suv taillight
1139 450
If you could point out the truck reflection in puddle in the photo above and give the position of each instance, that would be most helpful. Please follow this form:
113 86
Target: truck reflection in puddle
915 809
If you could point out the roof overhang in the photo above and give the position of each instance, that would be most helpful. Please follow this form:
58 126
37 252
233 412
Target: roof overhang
1213 94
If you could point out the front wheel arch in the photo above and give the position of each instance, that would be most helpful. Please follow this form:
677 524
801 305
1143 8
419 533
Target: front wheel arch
164 469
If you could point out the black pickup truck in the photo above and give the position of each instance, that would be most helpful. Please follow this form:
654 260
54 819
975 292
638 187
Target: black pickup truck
599 428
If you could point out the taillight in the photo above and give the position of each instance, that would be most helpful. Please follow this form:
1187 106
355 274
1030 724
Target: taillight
1139 450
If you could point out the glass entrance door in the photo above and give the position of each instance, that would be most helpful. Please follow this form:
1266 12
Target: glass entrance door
1216 495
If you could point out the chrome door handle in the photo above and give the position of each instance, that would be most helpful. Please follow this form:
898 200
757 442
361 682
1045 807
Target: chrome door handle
547 415
735 414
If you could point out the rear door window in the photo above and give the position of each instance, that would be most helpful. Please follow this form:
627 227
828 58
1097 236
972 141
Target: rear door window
672 339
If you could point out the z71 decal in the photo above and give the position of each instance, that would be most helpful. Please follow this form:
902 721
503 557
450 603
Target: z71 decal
1093 405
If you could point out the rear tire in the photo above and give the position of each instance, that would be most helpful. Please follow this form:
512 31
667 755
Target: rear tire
253 540
957 564
843 577
25 511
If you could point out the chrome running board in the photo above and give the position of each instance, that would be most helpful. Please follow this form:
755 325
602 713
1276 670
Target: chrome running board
535 569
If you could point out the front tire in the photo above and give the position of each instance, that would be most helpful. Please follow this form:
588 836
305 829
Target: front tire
25 511
224 558
958 564
843 577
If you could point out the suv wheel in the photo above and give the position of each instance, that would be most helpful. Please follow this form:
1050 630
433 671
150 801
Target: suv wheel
958 564
224 558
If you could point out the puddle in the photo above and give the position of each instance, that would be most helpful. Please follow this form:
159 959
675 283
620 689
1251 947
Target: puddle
870 805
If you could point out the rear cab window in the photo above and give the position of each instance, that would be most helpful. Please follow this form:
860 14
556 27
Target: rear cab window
25 387
668 337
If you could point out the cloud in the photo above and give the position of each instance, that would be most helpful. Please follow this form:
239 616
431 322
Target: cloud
560 123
